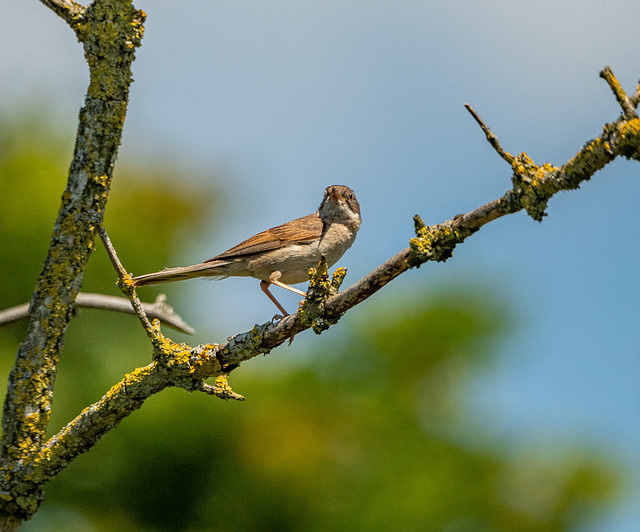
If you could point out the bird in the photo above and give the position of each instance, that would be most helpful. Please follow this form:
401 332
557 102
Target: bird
282 255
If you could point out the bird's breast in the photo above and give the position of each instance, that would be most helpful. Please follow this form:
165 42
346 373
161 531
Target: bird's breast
337 239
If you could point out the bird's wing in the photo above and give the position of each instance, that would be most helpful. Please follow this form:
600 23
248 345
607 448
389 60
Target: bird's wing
301 231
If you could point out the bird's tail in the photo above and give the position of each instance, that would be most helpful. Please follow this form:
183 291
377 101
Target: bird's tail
169 275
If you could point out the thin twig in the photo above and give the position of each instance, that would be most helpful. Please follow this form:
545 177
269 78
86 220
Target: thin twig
113 256
493 140
124 282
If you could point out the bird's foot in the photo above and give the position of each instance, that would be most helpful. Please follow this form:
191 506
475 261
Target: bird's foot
276 318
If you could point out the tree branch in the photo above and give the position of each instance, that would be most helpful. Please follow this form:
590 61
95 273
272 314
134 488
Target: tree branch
174 365
156 310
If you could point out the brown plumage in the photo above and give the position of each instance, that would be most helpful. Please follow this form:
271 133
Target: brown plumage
301 231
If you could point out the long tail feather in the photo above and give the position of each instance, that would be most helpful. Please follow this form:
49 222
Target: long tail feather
169 275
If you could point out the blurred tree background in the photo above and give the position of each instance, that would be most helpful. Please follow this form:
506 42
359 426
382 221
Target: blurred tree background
369 433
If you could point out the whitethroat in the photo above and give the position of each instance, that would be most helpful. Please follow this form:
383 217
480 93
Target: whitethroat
282 255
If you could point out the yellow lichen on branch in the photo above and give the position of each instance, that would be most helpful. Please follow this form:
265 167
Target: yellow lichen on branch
434 242
321 287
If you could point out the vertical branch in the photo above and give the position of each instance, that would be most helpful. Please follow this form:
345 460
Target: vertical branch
110 31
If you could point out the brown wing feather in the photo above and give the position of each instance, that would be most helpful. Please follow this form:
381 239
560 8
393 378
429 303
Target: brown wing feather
301 231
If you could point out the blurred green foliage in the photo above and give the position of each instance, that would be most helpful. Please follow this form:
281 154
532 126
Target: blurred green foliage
370 434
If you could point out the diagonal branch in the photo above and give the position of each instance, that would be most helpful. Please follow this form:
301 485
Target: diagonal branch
177 365
87 428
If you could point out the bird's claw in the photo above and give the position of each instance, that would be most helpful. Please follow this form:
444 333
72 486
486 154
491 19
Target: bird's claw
279 317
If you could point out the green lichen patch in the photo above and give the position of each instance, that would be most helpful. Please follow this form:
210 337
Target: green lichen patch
110 32
246 345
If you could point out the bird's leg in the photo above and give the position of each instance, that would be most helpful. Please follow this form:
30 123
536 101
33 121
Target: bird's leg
273 279
264 286
291 288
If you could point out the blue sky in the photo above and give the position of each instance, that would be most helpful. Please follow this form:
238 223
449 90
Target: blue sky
288 97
